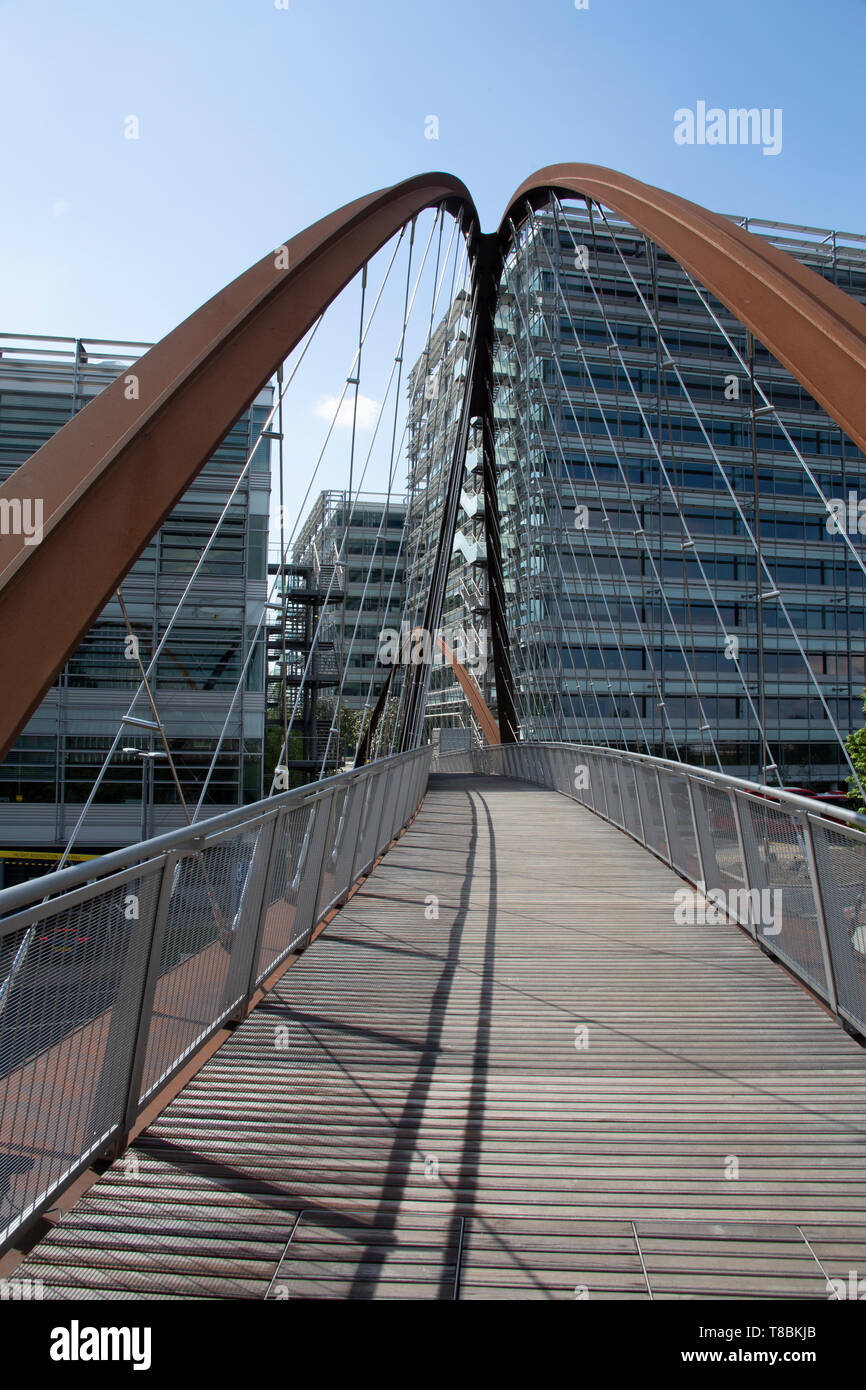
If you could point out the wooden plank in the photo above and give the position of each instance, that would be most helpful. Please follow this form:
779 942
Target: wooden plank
423 1071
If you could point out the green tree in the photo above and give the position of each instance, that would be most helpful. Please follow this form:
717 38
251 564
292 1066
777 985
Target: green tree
856 745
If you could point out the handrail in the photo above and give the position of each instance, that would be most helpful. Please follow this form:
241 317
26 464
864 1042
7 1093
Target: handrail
134 960
803 803
18 896
113 473
790 871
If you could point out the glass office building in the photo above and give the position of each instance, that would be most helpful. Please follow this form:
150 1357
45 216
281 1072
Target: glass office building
50 771
362 546
629 483
435 394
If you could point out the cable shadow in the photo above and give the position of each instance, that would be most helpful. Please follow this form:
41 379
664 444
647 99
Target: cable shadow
408 1128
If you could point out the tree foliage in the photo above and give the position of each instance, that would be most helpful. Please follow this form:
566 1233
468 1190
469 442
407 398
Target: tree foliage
856 745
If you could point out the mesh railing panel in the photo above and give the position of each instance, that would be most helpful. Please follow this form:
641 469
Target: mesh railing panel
348 842
811 914
717 831
651 810
67 1033
681 830
204 916
109 986
596 778
782 901
371 826
611 785
337 819
284 924
630 807
841 861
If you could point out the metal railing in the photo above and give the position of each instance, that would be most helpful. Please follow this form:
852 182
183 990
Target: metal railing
115 972
790 870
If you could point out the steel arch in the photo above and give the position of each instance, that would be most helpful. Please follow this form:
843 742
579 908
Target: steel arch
813 328
112 474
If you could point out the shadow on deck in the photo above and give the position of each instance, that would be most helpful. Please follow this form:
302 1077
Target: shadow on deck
503 1071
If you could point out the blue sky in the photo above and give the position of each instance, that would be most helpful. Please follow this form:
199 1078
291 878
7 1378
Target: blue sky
256 120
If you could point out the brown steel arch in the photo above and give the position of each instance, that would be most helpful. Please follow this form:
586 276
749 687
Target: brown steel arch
111 476
814 329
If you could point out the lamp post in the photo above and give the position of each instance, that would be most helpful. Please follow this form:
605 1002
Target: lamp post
148 757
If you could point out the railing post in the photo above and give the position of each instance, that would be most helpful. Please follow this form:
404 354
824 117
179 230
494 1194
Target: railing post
820 913
664 817
362 824
145 1008
618 781
639 807
702 873
738 826
327 800
270 827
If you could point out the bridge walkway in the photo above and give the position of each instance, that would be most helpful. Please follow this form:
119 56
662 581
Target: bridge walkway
503 1070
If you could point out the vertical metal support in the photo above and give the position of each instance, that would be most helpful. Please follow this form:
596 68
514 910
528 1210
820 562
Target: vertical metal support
735 807
261 906
619 791
637 799
664 818
488 267
699 852
419 674
820 913
145 1008
455 1290
499 639
741 844
366 795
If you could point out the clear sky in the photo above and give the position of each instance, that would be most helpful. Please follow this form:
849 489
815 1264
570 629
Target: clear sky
256 120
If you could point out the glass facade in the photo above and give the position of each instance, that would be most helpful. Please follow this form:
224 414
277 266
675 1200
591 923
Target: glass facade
370 572
638 482
50 771
436 399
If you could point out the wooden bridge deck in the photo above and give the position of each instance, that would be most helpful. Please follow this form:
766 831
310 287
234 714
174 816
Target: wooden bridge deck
412 1112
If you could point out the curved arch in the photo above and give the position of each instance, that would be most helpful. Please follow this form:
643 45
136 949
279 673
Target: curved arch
814 329
112 474
110 477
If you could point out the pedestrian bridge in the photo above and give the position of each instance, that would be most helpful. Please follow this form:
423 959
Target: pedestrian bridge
504 1069
537 1019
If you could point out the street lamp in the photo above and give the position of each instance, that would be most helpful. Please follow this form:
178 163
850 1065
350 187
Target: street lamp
148 756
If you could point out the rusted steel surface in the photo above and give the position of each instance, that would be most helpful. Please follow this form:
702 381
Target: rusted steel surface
111 476
479 706
814 329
